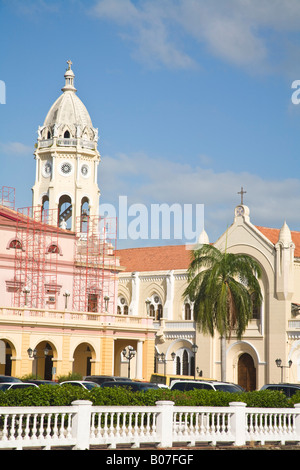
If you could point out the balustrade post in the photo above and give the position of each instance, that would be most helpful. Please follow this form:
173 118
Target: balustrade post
81 423
164 424
238 422
297 421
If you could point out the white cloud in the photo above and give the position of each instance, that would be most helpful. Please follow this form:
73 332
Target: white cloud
15 148
146 180
237 31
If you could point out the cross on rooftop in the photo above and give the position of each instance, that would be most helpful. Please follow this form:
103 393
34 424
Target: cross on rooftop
242 192
69 62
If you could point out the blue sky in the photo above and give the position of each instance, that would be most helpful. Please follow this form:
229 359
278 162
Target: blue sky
192 99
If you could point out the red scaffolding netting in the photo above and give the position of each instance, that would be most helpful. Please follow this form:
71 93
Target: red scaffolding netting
95 276
36 258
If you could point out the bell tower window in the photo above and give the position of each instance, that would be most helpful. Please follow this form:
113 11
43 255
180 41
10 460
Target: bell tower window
67 135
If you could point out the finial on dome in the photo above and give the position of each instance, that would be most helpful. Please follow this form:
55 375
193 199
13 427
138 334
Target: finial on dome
69 77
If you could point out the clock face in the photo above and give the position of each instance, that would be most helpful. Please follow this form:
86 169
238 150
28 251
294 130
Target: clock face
84 170
66 168
47 169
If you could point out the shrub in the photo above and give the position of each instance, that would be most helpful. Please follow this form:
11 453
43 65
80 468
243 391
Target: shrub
49 395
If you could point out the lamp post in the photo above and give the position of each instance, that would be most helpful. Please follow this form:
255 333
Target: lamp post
162 358
32 354
129 354
279 364
194 350
106 300
26 291
66 295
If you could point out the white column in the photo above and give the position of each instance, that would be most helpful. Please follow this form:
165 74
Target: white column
135 289
168 307
139 360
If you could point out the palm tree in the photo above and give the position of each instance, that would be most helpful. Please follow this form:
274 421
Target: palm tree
224 288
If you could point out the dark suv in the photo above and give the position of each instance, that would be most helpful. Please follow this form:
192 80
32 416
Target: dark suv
99 379
8 378
287 389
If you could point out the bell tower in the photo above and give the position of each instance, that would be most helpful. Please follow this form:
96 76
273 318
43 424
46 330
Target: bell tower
67 160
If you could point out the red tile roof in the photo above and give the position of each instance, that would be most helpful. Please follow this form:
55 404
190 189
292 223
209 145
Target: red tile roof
273 234
155 258
165 258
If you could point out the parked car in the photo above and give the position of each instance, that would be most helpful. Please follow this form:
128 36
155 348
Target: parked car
134 386
16 385
87 385
287 389
99 379
166 379
7 378
41 382
186 385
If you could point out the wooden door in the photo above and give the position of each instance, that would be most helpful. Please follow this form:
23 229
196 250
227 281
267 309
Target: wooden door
246 372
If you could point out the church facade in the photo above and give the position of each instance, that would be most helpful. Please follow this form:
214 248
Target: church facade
72 302
157 277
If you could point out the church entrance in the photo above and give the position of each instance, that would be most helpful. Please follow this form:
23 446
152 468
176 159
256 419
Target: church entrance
246 372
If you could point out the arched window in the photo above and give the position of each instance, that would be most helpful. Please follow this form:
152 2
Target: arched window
53 249
187 312
154 307
178 366
16 244
185 363
255 310
67 135
122 307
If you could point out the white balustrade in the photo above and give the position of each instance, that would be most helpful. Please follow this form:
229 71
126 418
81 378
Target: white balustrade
82 425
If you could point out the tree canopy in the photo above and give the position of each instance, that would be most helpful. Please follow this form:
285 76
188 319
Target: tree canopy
224 288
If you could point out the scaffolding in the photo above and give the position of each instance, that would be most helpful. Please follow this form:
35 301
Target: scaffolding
95 275
7 197
36 258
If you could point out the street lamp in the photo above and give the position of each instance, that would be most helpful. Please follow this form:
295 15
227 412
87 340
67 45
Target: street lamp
129 354
279 364
66 295
162 358
32 354
194 350
26 291
106 300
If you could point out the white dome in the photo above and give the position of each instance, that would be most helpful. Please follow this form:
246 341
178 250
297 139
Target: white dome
68 110
68 115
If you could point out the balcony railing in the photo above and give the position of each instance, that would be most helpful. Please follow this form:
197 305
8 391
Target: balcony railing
25 314
68 143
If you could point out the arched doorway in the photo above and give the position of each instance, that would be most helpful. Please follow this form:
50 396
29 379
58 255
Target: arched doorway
42 361
246 372
6 353
83 356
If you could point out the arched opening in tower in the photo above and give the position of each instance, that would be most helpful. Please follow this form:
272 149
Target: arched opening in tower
84 212
65 212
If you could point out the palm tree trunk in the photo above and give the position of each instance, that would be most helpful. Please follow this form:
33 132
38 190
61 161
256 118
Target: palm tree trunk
223 358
